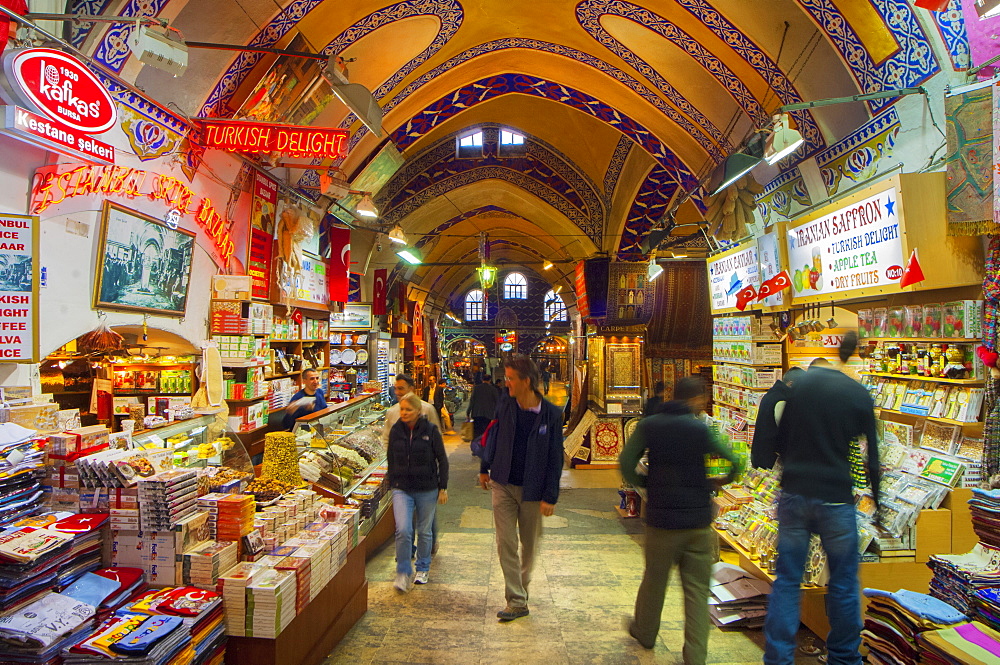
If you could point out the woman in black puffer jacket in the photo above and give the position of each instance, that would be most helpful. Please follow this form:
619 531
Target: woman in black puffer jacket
418 476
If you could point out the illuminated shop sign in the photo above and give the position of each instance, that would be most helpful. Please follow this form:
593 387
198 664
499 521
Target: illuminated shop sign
292 140
65 104
51 188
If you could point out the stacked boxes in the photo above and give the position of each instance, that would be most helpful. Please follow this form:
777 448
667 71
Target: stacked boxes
301 568
166 497
203 566
234 595
270 603
242 347
231 516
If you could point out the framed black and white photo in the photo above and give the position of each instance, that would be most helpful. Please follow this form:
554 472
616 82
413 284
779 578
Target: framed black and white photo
143 265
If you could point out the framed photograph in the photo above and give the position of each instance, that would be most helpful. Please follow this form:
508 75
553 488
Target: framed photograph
354 317
143 265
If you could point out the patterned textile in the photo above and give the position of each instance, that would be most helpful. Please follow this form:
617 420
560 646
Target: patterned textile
991 432
606 440
970 162
681 326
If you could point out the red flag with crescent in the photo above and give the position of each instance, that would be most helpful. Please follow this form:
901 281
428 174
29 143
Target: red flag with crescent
912 273
745 297
776 284
338 266
378 292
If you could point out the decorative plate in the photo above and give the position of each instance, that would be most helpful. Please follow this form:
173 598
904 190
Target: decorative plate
334 338
348 356
362 339
362 357
334 356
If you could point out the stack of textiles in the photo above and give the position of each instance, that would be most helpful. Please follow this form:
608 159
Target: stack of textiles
985 508
22 467
201 612
965 644
957 577
894 620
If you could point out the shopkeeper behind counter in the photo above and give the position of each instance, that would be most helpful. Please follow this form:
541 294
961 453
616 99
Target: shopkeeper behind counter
306 401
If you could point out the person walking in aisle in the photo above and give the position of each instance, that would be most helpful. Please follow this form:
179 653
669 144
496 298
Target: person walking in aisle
403 386
418 476
772 406
522 466
439 404
678 514
482 406
655 400
546 378
826 413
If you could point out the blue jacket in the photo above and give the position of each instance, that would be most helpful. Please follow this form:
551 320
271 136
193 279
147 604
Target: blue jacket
543 467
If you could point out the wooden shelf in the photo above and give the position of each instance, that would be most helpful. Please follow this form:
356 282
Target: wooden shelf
251 431
946 421
729 404
296 341
755 340
736 385
931 379
244 399
282 376
743 364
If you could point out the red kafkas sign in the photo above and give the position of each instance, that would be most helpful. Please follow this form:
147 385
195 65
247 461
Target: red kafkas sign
293 140
61 87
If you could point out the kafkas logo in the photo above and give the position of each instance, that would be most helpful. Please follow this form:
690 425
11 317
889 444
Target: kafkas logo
61 87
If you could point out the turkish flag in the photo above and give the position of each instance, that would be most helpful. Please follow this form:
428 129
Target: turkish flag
912 273
379 292
338 266
776 284
933 5
745 297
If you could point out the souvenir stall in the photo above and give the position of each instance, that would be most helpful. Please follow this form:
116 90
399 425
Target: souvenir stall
856 262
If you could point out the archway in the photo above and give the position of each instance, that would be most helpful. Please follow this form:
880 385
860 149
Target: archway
467 357
551 354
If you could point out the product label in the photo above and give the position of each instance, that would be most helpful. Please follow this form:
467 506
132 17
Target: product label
730 274
18 297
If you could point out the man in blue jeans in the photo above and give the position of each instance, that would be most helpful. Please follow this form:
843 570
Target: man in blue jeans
825 414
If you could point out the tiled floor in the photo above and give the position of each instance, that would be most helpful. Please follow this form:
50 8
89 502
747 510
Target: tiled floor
584 586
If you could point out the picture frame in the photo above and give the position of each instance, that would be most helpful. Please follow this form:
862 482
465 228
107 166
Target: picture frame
143 265
355 316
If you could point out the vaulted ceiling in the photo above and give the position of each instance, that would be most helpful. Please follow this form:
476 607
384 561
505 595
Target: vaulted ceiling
625 104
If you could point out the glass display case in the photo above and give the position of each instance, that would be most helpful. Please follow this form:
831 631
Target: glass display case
201 442
340 448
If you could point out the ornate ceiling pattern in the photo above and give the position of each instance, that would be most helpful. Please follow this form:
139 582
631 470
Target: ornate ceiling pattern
626 104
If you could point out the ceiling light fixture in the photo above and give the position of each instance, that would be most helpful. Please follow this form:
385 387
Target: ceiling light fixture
397 235
654 270
783 141
548 265
166 51
366 207
732 169
487 275
987 8
411 255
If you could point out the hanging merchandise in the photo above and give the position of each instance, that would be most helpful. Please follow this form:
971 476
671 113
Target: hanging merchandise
970 162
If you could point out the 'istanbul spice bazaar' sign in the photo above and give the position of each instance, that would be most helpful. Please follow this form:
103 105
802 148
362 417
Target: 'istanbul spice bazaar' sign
855 247
18 288
52 187
293 140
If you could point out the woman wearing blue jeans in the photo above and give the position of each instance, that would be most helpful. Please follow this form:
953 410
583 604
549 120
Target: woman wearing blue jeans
418 476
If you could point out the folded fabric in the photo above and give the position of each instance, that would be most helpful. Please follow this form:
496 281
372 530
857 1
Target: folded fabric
920 605
970 644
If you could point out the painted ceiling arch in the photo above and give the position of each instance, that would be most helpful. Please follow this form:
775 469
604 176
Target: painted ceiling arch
655 92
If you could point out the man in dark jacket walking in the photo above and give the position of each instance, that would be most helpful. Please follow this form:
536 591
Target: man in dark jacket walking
678 514
522 466
769 412
482 406
825 416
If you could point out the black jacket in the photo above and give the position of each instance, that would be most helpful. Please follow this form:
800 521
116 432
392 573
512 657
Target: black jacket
825 412
544 461
680 493
652 405
417 460
765 429
483 402
439 398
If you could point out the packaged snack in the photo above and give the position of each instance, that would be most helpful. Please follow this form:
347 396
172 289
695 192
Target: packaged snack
880 324
866 321
933 319
895 323
912 320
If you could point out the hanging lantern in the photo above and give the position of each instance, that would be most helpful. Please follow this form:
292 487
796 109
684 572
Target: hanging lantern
487 275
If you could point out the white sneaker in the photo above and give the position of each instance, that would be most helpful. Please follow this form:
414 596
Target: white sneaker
403 582
421 577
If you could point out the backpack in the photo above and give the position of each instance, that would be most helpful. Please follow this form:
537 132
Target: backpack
481 442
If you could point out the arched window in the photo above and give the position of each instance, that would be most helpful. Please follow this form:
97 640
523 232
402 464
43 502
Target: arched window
515 286
474 309
555 308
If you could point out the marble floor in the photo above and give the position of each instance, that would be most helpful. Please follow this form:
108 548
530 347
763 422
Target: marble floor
584 586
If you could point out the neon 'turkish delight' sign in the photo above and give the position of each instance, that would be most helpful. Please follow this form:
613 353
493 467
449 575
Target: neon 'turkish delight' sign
52 187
